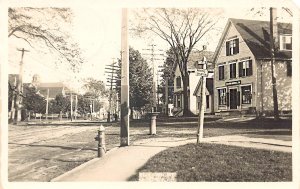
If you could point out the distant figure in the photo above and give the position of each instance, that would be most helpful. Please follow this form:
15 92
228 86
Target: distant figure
116 117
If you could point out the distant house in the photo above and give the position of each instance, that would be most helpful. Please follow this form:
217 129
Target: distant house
178 96
54 88
242 82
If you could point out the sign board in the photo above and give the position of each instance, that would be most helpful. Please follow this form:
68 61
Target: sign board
233 83
202 72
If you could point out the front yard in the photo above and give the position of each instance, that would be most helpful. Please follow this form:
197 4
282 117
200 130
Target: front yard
221 163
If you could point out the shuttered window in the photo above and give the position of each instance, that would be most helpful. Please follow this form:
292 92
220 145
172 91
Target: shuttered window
245 68
232 70
178 82
221 72
232 47
289 68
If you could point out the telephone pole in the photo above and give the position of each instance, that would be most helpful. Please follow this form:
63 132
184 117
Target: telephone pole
19 89
47 104
112 68
273 47
155 75
13 101
124 123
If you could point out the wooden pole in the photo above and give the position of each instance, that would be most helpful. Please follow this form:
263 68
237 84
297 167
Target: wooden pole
202 108
13 102
167 95
19 89
272 53
124 123
71 96
76 106
47 104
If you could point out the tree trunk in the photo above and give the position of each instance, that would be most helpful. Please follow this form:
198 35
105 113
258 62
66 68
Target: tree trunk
186 95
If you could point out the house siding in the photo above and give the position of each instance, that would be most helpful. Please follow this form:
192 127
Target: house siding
222 59
283 86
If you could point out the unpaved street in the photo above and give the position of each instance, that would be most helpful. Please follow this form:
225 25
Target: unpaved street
40 153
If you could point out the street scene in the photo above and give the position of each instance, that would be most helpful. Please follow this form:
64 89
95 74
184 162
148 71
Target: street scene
150 94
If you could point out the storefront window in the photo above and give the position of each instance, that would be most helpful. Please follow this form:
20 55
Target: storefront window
246 94
222 96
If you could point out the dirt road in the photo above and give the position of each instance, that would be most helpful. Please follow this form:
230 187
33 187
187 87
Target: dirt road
40 153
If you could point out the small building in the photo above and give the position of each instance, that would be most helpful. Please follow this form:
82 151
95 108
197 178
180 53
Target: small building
242 82
195 57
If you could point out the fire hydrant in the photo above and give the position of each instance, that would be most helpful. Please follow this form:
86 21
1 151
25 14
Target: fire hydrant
101 141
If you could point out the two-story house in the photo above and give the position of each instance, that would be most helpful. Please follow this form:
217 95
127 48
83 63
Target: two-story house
193 97
242 82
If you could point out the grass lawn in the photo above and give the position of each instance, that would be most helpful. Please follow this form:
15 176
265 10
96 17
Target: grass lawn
221 163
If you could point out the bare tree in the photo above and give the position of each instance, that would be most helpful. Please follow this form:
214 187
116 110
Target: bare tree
46 27
182 29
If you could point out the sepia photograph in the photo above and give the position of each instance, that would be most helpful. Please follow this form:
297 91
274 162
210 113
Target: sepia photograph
151 93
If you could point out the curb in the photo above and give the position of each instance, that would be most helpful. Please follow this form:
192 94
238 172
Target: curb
57 179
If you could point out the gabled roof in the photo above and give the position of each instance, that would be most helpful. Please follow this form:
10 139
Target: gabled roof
256 34
198 56
54 89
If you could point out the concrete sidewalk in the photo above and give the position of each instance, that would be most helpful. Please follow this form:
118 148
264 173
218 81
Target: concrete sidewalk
119 164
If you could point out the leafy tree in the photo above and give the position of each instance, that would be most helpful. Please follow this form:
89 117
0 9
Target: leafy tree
46 27
140 80
168 74
182 29
32 101
59 104
95 88
83 104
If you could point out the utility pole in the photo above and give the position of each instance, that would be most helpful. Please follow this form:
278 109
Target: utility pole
167 96
71 99
19 89
273 47
47 104
124 123
112 81
76 106
154 88
13 101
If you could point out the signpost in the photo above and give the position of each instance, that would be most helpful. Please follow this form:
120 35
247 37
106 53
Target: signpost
203 73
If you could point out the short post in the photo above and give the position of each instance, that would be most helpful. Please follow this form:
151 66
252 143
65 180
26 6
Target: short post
153 123
101 141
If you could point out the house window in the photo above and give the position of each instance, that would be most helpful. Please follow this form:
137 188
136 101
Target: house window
232 70
221 72
207 101
222 96
179 101
289 68
178 82
286 42
245 68
246 94
232 47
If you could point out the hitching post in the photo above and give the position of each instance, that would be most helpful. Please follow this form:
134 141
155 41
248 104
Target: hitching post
101 141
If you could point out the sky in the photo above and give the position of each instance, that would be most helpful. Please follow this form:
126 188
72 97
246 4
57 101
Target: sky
98 32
